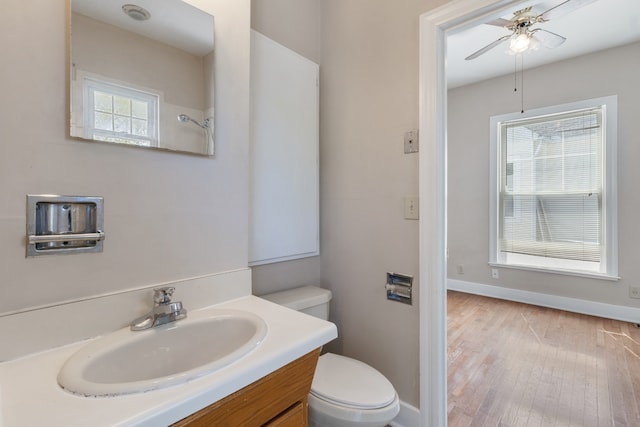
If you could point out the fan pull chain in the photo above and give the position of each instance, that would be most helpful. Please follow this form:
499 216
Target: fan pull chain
522 84
515 73
515 79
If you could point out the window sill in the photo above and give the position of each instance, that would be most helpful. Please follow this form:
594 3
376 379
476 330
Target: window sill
588 274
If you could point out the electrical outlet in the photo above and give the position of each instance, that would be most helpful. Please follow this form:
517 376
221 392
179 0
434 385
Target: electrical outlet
495 273
460 269
634 292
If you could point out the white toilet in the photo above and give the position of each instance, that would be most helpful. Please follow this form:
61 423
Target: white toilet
345 392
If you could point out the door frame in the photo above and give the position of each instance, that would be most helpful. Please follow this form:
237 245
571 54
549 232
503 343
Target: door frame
434 26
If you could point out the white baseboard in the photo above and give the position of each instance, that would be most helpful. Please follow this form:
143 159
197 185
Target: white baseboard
609 311
409 416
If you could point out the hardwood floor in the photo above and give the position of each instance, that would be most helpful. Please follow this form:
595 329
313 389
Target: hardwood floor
518 365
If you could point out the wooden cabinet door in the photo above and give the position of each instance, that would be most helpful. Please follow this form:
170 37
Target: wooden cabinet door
296 416
282 393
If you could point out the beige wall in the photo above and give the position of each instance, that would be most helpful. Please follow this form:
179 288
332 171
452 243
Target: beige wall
294 24
123 55
605 73
369 99
368 56
167 216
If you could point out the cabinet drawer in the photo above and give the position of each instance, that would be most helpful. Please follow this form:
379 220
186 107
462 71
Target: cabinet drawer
263 401
295 416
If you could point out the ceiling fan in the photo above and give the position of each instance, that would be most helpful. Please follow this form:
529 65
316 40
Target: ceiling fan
523 37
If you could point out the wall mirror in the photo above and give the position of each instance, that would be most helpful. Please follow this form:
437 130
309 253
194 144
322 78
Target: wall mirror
142 74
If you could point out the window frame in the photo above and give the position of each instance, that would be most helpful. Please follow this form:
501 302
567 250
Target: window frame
608 266
92 84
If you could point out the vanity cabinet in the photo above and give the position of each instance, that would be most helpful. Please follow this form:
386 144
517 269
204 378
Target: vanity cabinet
276 400
295 416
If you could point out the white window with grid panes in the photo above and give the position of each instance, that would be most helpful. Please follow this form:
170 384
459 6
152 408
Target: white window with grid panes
553 189
121 114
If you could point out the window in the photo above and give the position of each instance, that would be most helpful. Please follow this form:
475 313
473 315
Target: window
120 114
553 198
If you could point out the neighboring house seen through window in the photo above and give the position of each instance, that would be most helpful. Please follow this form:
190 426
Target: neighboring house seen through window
553 204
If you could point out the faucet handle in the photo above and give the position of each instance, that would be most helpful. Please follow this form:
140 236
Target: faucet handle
163 295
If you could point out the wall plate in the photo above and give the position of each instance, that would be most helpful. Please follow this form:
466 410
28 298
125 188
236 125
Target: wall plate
411 142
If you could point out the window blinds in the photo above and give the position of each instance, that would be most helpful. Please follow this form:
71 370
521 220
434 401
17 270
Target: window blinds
551 185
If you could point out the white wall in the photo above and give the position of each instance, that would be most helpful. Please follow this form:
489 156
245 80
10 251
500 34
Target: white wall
604 73
167 216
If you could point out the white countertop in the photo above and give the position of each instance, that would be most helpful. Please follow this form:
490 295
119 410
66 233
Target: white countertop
30 395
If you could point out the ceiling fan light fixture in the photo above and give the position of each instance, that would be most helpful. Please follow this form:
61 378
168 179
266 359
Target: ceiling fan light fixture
534 43
520 43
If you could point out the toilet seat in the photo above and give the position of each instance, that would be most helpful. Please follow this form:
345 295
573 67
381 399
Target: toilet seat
350 383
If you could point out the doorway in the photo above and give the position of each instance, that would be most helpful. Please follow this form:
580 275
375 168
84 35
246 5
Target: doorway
434 27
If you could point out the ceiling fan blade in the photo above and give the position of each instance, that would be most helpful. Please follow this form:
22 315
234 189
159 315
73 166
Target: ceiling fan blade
562 9
500 22
487 48
547 38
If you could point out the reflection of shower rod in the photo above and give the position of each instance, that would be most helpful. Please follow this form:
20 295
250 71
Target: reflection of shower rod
204 125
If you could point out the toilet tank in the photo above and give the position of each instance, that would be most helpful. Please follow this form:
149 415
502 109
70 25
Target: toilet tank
311 300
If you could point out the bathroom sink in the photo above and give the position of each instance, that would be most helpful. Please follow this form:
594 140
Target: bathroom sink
132 362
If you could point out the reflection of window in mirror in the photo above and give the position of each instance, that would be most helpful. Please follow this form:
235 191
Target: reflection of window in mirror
170 55
117 113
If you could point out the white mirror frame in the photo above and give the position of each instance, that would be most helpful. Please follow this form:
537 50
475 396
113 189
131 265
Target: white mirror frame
433 192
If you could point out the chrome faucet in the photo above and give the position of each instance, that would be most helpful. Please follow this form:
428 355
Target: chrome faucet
164 311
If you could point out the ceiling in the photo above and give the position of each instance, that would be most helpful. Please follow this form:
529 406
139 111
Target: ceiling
172 22
598 25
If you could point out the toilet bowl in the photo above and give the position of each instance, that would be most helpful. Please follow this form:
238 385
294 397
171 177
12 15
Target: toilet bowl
348 393
345 392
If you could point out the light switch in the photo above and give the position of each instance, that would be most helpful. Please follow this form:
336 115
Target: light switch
411 142
411 207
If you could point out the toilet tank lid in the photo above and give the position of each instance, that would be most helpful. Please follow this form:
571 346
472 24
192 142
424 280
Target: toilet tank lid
300 298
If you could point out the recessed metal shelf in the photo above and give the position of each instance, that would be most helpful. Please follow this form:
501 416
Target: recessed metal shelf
64 224
399 288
